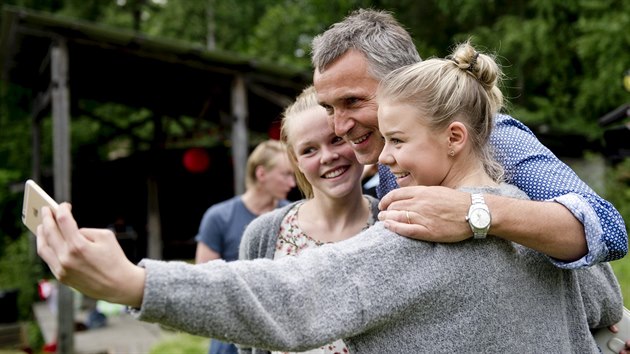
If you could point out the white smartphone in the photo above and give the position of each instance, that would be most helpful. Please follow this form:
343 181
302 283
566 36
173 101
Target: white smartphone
610 342
34 199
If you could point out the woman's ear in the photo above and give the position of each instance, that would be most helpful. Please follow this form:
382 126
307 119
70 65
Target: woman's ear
260 172
457 136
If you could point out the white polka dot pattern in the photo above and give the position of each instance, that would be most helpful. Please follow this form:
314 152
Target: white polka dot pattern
533 168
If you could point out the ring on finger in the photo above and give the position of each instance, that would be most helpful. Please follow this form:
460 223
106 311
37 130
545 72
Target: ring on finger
407 214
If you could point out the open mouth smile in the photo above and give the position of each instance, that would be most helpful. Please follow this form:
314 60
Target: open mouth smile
336 172
360 139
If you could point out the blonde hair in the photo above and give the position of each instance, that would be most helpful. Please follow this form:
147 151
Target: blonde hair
305 101
463 87
265 154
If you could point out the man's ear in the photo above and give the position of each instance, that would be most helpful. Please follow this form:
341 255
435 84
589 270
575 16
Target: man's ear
457 136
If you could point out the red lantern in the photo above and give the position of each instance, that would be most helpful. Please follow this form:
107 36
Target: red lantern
274 130
196 160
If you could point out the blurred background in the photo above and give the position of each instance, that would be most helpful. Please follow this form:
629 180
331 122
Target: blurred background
150 85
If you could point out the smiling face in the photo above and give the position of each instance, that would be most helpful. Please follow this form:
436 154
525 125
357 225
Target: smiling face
327 161
347 91
416 154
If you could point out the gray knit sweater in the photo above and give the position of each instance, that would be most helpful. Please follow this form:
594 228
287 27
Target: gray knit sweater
391 294
260 240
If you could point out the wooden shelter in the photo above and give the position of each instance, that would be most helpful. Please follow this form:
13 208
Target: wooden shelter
65 62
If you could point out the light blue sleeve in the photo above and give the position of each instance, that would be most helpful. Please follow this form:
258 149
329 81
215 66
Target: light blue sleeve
533 168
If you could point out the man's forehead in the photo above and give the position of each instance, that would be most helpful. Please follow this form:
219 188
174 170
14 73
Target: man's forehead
330 93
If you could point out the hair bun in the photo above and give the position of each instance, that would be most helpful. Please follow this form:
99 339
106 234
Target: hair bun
481 66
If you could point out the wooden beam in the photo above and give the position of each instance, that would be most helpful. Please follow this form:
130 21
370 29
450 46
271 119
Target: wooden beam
61 174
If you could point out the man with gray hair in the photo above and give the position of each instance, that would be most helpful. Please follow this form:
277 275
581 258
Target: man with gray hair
565 219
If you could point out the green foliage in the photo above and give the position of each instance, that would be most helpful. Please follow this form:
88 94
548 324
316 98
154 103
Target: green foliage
268 39
20 268
15 158
563 59
15 122
35 338
166 21
617 185
181 343
621 269
43 5
603 51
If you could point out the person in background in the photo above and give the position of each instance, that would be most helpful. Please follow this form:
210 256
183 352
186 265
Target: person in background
334 209
268 180
565 219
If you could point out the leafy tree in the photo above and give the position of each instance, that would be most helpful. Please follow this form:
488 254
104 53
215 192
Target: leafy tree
563 59
602 49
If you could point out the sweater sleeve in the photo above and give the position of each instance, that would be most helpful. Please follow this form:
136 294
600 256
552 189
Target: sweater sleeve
601 295
262 303
279 304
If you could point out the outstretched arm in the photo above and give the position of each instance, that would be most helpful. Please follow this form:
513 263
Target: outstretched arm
240 302
89 260
570 222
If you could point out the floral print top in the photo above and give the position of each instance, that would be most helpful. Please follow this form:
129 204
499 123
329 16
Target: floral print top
291 241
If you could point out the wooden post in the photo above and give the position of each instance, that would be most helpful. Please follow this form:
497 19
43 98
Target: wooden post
240 139
154 239
36 150
36 160
61 174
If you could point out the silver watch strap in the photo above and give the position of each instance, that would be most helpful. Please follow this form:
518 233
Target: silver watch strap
477 198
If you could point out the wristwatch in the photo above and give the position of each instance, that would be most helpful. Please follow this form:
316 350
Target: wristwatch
479 217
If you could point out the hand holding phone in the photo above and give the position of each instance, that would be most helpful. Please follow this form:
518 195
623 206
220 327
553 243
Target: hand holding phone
34 199
610 342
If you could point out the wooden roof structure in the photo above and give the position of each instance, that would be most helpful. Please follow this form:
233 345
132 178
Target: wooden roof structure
64 61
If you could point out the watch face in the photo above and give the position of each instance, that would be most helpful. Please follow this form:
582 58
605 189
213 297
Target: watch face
480 218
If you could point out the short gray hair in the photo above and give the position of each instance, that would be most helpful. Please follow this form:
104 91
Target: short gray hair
375 33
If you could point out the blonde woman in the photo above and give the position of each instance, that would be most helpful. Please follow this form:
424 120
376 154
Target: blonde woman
329 176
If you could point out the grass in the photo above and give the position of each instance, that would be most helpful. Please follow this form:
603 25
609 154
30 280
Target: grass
182 343
622 272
